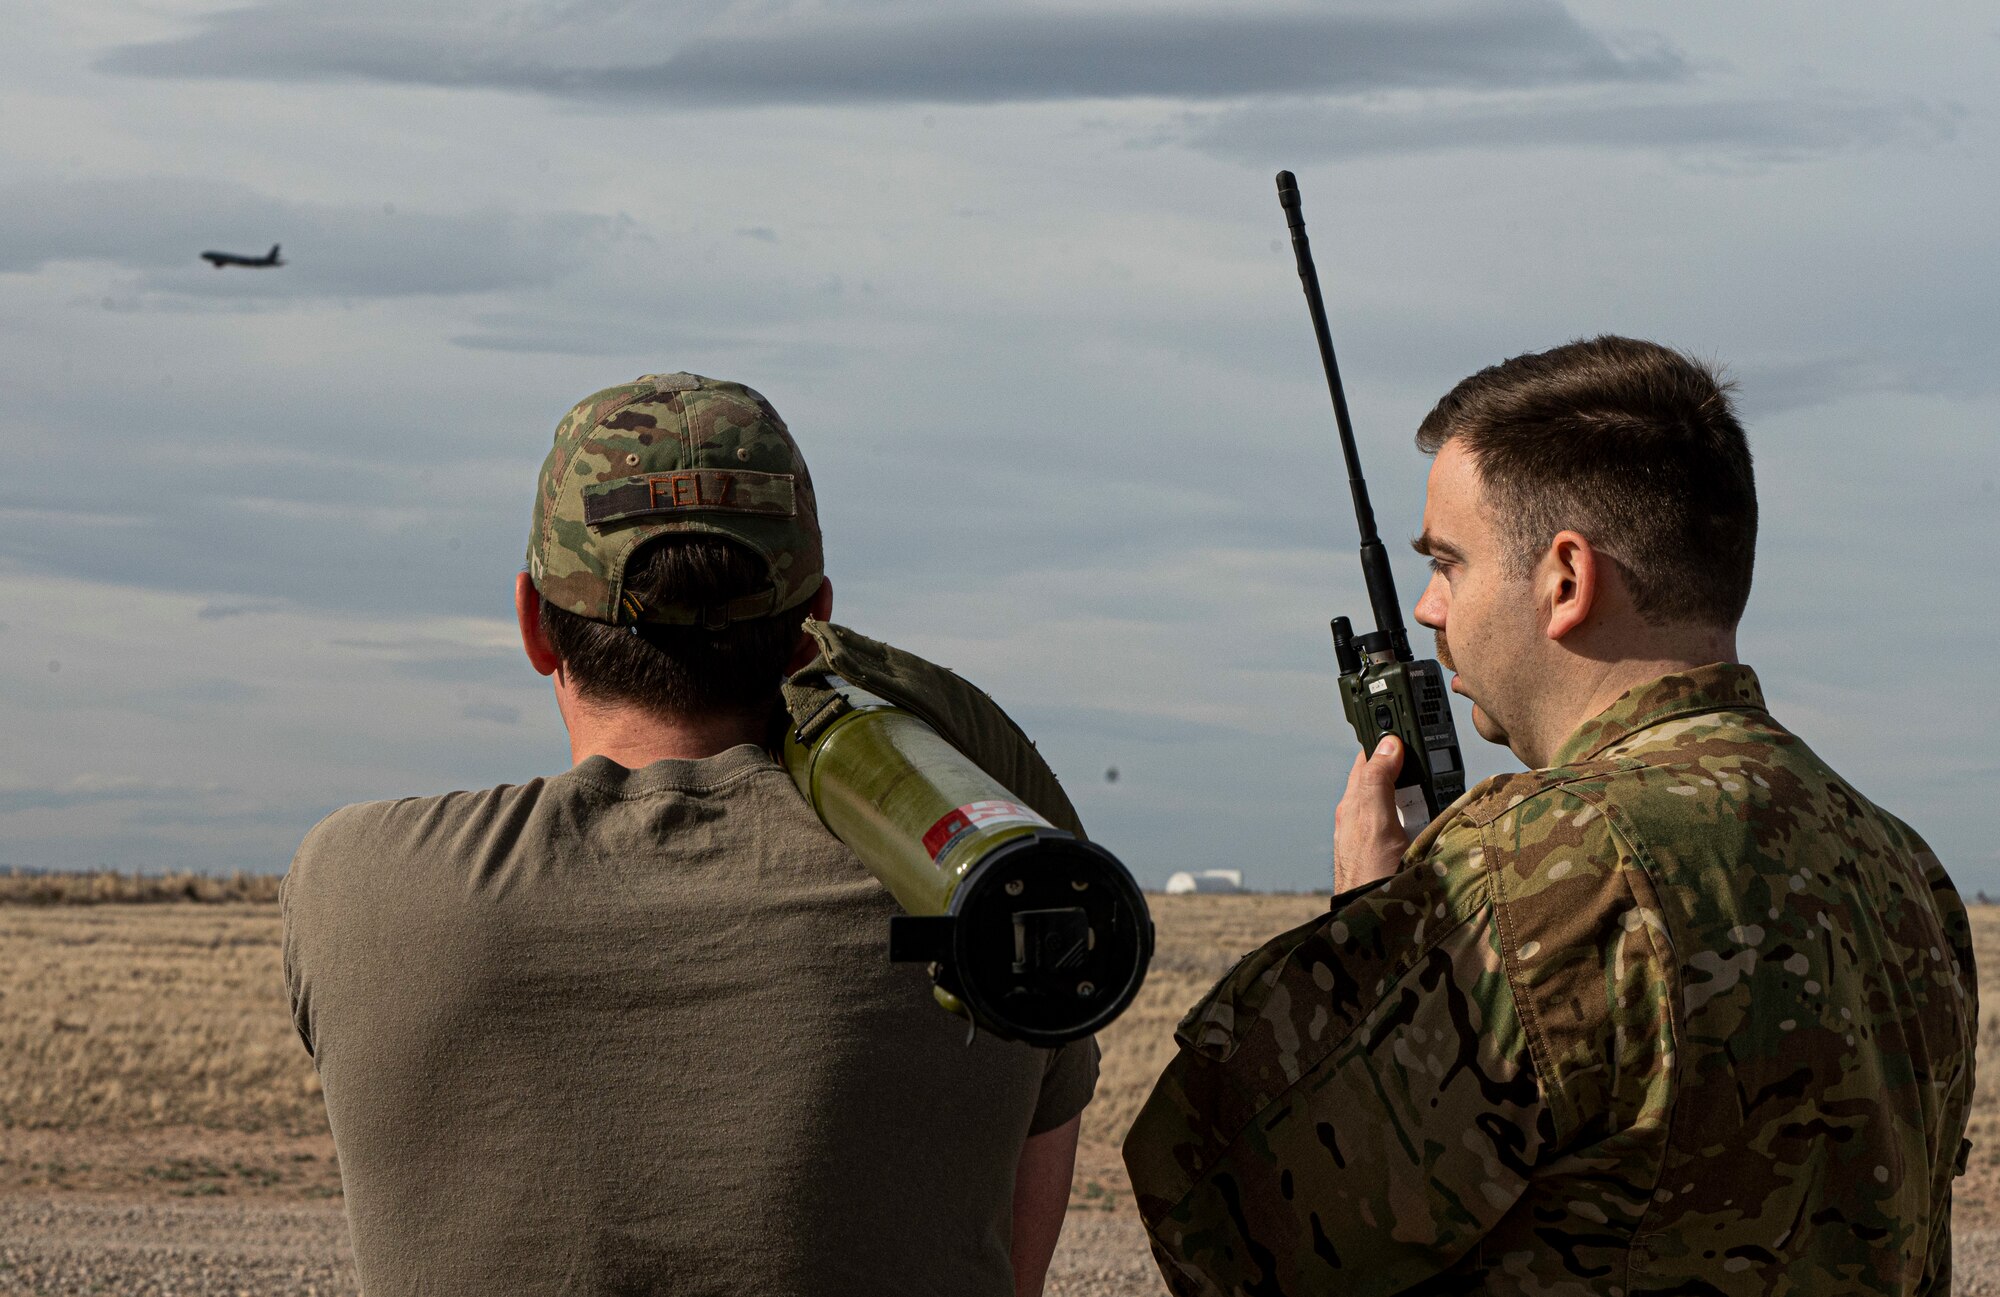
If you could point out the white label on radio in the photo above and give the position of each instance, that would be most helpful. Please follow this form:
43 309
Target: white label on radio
1412 809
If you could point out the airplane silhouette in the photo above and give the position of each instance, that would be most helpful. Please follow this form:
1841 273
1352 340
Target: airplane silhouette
221 259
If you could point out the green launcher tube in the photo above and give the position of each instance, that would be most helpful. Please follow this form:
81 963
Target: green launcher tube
1031 932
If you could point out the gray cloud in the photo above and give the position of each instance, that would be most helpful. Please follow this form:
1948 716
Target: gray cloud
1033 436
1780 387
446 661
325 557
728 334
95 790
1756 130
159 225
203 535
223 611
279 817
1121 727
568 332
928 54
215 691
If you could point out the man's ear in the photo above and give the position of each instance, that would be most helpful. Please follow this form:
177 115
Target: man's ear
528 611
819 607
1571 580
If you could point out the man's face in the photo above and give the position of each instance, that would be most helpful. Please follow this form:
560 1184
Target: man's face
1486 629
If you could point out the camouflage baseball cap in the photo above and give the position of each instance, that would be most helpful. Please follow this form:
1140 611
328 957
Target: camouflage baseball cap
663 455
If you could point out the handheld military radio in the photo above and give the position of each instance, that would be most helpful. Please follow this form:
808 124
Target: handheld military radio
1031 932
1383 688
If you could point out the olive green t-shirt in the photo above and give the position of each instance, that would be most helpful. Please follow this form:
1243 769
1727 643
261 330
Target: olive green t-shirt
636 1031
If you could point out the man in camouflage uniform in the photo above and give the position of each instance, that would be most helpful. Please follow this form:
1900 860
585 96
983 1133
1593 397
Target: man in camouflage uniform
1677 1010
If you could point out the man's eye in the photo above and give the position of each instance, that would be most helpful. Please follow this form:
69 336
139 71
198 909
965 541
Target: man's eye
1437 566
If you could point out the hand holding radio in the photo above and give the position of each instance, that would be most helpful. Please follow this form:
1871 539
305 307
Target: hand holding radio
1368 836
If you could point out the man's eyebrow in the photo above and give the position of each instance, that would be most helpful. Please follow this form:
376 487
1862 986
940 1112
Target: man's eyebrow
1432 547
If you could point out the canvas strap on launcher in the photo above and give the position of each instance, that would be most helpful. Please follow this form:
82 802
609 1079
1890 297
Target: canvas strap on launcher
1032 931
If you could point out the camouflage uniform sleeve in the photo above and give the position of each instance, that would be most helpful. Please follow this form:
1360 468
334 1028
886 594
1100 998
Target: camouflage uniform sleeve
1957 926
1362 1104
1355 1105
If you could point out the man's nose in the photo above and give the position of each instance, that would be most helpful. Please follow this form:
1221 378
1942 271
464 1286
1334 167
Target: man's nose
1430 609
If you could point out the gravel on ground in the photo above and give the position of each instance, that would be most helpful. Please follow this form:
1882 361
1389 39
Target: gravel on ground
72 1244
75 1244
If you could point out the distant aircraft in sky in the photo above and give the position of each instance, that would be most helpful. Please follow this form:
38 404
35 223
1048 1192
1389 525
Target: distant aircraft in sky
221 259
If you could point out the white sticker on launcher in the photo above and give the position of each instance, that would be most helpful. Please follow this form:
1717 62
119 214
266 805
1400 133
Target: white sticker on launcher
976 815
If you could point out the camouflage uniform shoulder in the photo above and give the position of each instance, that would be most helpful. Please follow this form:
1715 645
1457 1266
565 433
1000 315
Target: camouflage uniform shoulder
1659 747
1510 814
1294 1145
1488 800
1575 912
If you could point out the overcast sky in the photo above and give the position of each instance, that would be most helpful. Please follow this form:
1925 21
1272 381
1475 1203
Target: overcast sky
1016 275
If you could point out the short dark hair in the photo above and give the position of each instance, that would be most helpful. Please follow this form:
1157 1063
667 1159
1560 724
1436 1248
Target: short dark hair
682 670
1631 444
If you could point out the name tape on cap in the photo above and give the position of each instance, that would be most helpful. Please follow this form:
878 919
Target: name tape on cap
694 490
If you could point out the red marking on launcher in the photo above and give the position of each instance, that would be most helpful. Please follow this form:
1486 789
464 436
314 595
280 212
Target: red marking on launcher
975 815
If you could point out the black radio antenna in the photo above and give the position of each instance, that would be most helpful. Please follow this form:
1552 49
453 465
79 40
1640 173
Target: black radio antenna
1374 557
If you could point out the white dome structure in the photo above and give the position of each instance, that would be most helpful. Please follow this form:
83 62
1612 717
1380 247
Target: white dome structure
1207 880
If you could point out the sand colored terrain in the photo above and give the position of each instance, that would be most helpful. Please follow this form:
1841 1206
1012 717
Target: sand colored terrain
140 1017
161 1129
18 888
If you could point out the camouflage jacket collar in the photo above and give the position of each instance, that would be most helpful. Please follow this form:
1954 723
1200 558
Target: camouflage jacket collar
1719 686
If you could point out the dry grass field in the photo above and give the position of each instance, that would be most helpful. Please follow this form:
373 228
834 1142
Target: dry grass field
141 1017
18 888
147 1057
162 1030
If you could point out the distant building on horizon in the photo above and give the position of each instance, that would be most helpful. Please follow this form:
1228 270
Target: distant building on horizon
1206 880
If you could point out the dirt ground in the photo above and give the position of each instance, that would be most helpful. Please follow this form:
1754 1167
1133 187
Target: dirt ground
161 1131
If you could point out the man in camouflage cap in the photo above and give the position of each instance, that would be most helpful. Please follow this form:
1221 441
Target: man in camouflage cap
671 454
1677 1010
633 1028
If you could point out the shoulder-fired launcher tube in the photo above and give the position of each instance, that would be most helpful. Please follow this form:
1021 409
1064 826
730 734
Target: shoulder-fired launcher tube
1033 933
